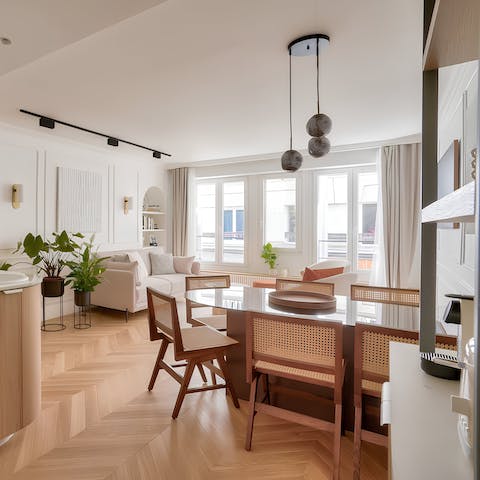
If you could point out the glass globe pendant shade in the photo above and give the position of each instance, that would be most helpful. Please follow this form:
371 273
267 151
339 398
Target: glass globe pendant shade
319 125
291 160
318 146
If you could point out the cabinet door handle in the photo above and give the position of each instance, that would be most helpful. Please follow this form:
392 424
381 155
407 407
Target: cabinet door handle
11 292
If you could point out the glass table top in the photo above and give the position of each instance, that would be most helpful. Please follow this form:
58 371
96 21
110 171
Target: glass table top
348 312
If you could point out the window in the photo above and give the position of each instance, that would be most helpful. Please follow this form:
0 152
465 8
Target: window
346 215
220 221
233 208
206 214
280 218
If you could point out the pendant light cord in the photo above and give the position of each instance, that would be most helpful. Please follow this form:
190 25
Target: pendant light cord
290 100
318 80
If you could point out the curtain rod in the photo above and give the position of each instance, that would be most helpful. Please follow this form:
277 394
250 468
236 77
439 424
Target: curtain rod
49 122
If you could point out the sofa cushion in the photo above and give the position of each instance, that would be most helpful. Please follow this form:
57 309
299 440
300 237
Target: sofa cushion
172 284
183 264
122 257
134 256
162 264
310 275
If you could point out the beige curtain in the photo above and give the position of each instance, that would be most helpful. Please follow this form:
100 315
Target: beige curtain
179 187
399 217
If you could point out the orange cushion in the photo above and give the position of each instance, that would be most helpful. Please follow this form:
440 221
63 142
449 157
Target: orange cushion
310 275
264 283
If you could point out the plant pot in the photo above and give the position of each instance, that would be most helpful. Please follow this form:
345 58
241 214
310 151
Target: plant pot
82 299
53 286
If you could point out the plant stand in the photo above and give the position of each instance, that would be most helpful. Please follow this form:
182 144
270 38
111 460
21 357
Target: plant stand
53 326
82 316
53 289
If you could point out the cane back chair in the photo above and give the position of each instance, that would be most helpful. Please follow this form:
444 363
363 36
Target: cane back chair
287 284
195 345
304 350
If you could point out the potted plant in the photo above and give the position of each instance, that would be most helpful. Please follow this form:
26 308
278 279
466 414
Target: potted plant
4 266
269 255
50 257
86 272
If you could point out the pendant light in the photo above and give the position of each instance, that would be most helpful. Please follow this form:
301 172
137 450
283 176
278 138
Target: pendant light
320 124
291 159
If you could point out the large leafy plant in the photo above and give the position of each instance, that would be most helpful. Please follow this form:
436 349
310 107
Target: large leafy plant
86 268
49 255
4 266
269 255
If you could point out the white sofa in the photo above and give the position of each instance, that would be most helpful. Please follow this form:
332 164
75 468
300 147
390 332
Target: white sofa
122 288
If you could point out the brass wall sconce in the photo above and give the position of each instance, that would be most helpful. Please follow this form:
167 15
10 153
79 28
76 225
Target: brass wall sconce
127 204
17 195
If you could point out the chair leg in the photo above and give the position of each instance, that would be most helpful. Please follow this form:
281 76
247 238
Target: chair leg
156 368
228 382
202 372
266 387
357 443
337 439
183 388
251 412
214 377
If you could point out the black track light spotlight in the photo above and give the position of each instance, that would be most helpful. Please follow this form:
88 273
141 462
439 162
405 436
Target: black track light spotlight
157 154
112 141
47 122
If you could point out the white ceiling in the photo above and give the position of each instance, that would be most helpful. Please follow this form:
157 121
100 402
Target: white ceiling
209 79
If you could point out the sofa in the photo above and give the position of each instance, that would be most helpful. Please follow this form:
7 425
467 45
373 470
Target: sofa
129 272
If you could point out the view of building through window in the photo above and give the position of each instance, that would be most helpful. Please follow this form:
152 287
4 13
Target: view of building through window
280 216
345 220
233 222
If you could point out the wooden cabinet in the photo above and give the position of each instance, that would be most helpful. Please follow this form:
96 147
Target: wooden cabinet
20 317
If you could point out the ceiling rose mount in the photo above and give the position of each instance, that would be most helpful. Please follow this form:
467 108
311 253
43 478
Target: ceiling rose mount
320 124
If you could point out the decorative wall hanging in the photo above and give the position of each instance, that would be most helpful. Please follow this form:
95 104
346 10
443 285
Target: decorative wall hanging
320 124
79 201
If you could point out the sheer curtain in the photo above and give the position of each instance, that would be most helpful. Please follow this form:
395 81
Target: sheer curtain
398 217
181 187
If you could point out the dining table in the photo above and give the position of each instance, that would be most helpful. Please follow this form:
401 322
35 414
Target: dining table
238 300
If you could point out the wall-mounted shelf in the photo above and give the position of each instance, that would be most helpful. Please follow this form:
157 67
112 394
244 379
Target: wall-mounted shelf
453 34
153 230
458 206
151 212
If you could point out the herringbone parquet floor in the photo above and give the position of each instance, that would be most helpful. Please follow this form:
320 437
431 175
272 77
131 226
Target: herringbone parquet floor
99 422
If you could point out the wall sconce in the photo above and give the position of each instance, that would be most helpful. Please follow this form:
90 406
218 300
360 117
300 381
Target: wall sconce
17 195
127 204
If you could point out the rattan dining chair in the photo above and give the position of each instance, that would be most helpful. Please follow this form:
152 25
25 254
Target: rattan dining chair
218 317
399 296
288 284
195 345
309 351
371 370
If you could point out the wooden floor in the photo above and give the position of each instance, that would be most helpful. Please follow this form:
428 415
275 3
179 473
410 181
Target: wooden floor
99 422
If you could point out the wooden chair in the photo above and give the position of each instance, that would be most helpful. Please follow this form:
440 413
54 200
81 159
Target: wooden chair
287 284
218 318
371 370
195 345
398 296
304 350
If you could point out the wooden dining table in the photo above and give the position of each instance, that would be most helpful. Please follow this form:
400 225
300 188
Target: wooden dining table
304 398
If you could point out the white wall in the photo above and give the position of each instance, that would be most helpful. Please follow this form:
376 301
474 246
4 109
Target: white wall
31 158
457 120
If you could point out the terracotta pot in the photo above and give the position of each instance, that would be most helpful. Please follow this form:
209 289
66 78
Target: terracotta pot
82 299
53 286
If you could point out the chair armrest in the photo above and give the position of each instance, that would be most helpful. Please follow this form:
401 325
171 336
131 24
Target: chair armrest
117 290
196 268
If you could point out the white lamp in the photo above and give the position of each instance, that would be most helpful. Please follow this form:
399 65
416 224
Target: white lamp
17 195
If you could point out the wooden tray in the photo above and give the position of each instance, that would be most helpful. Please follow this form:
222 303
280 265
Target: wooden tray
305 301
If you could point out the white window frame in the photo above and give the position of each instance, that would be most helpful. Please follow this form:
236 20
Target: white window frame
219 205
352 208
298 211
